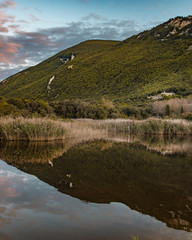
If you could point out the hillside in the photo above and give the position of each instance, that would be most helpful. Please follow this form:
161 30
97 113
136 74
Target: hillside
149 63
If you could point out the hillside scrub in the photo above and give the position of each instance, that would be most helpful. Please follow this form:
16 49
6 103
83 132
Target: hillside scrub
100 109
90 108
96 109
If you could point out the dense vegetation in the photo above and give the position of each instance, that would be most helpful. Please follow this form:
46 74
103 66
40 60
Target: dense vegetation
65 109
95 109
123 72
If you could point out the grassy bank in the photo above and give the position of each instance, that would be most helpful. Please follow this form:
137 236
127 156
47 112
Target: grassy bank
43 129
30 129
149 126
164 127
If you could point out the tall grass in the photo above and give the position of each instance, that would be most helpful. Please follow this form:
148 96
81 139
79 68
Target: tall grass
149 126
30 129
164 127
42 129
46 129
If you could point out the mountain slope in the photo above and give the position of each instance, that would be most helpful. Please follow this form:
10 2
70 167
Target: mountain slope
151 62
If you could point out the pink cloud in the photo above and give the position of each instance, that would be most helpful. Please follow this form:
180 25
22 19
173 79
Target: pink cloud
5 189
11 192
8 50
4 30
4 18
14 27
7 4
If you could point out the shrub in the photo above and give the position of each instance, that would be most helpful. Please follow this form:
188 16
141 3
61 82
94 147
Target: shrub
187 116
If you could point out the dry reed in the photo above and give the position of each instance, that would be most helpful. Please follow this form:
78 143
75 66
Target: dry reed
30 129
46 129
42 129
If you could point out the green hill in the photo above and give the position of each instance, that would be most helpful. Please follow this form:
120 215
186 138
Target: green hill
147 64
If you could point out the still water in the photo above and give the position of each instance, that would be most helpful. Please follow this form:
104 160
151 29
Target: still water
99 190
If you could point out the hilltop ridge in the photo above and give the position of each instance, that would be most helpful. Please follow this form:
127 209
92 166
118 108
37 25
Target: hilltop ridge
174 28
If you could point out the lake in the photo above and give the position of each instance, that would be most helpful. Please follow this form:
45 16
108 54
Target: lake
99 190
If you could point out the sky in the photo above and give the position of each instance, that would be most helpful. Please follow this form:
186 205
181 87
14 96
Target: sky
34 30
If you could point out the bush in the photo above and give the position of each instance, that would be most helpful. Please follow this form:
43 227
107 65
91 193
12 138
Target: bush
187 116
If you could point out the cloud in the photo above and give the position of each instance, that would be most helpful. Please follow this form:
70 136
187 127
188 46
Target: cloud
34 18
14 27
4 29
4 17
8 50
24 49
7 4
93 16
6 190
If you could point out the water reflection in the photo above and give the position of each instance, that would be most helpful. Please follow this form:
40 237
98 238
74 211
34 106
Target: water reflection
103 171
166 145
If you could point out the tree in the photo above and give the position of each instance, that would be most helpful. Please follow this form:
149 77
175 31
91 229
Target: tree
167 110
182 110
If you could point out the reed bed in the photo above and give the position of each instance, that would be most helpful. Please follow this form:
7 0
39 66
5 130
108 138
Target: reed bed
150 126
30 129
43 129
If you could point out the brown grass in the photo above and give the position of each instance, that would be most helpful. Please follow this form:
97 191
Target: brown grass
46 129
42 129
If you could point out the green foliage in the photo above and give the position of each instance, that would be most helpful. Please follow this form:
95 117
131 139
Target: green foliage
64 109
136 112
134 237
24 107
182 110
187 116
167 110
82 109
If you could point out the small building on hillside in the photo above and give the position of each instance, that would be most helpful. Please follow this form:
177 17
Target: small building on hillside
160 96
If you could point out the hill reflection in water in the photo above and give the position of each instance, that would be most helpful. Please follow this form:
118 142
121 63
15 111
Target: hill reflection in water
116 170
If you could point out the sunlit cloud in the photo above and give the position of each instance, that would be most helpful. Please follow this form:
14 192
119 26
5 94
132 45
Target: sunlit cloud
4 17
7 51
4 29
